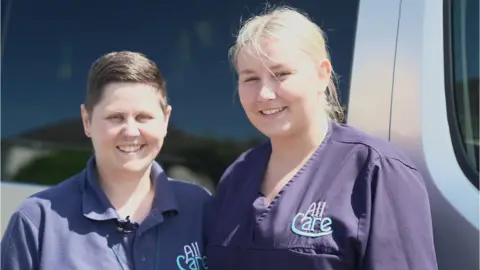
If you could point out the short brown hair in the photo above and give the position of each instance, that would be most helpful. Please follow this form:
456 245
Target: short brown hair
123 66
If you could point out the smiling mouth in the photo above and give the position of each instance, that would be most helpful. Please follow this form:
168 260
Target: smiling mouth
273 111
129 149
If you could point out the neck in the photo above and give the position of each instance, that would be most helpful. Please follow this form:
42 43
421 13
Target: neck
130 195
296 148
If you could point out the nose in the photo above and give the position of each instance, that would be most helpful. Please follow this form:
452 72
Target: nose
130 128
266 93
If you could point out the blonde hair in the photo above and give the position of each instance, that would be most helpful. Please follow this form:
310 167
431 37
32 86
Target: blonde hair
286 23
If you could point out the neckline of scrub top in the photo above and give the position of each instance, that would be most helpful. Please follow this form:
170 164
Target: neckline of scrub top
260 209
96 205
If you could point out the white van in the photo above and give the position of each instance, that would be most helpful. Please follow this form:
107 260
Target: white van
415 82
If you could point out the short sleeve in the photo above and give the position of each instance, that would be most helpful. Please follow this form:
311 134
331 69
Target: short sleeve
20 244
400 232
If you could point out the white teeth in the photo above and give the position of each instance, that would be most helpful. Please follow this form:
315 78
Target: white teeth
130 148
272 111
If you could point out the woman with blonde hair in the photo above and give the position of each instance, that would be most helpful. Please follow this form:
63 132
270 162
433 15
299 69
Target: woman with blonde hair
318 194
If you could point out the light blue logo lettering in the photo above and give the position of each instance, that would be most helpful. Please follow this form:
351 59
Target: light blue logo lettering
312 223
192 259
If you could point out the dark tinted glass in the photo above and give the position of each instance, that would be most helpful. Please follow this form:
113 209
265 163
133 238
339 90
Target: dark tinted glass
48 47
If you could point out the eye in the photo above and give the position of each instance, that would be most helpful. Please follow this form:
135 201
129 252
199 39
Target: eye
251 79
143 117
115 117
282 74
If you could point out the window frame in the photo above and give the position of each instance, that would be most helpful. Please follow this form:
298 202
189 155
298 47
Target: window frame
453 123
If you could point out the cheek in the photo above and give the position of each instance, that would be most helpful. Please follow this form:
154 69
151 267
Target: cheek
291 93
154 131
302 91
247 97
105 132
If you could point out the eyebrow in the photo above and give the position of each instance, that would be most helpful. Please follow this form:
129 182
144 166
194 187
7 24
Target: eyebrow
246 71
249 71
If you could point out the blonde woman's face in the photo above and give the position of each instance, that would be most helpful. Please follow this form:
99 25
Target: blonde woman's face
282 91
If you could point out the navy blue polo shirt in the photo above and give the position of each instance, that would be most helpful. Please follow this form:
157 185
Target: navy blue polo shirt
73 226
356 204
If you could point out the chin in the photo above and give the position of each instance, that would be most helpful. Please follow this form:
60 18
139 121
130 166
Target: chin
135 166
276 132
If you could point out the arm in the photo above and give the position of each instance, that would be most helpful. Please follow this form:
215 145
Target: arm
20 244
400 233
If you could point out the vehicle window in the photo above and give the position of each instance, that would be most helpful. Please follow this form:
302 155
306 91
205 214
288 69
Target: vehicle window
465 83
48 47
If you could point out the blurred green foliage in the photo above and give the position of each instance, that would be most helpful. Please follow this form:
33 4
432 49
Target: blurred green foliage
54 167
205 156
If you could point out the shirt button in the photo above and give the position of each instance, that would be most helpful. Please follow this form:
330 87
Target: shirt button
143 259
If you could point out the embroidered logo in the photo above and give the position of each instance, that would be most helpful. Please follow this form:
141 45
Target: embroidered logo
192 259
312 223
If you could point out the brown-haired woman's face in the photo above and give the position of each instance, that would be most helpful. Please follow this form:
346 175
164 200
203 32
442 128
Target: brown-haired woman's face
127 126
282 91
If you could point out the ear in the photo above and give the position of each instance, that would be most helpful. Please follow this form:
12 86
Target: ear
324 70
167 113
85 120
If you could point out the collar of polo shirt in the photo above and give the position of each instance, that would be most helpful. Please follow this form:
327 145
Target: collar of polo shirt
96 205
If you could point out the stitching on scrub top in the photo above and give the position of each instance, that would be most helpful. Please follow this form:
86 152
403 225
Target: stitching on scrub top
362 219
326 140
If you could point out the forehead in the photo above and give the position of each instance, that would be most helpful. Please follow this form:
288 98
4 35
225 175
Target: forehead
271 54
126 96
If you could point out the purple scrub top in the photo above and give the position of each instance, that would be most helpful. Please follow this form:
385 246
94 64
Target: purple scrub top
358 203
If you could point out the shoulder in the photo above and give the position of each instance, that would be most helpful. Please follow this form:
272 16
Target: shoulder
245 162
194 192
40 205
376 149
386 174
388 167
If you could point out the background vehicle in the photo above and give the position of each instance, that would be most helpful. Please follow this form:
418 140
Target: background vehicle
415 82
409 72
